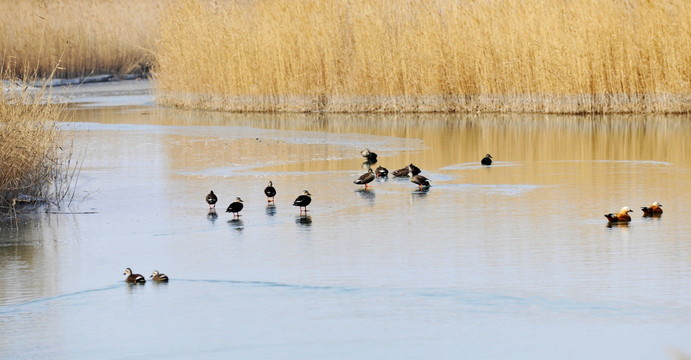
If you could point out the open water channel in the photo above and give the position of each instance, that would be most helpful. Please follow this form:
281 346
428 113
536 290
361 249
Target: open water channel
514 260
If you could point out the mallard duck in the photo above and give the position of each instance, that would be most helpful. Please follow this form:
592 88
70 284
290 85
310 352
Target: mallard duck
414 170
381 171
133 278
487 160
404 172
653 210
621 217
303 200
235 207
365 178
370 156
420 181
270 192
211 199
159 277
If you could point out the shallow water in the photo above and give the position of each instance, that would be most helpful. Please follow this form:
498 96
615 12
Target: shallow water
509 261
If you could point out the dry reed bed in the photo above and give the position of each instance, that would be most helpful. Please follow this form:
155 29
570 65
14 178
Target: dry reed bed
579 56
35 158
83 36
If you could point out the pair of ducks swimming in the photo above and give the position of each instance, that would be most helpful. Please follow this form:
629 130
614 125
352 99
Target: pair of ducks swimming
270 191
139 279
623 215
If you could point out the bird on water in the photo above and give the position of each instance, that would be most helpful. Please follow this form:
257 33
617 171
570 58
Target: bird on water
211 199
381 171
365 178
420 180
414 170
235 207
487 160
159 277
370 156
270 192
621 217
653 210
402 172
133 278
303 200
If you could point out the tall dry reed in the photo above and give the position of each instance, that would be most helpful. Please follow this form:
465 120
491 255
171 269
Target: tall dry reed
565 56
89 36
35 155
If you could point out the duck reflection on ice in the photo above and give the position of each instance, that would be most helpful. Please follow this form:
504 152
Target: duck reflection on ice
271 209
304 220
236 223
419 193
367 194
212 216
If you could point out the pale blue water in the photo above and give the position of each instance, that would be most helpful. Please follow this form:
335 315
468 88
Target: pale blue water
512 261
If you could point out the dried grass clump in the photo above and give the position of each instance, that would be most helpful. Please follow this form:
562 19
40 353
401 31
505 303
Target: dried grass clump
88 36
35 159
580 56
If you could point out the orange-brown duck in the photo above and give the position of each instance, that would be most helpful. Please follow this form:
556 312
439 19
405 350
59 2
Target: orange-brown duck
621 217
653 210
133 278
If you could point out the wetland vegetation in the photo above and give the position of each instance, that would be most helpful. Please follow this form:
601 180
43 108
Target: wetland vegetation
574 57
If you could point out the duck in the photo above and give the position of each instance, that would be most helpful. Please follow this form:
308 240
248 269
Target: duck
211 199
270 192
403 172
303 200
420 181
235 207
159 277
621 217
414 170
653 210
381 171
487 160
370 156
365 178
133 278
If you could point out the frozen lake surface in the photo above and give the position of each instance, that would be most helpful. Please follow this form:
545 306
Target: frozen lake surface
513 261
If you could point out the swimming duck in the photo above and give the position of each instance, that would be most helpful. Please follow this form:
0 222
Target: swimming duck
133 278
420 181
303 200
487 160
365 178
370 156
159 277
270 192
382 171
621 217
653 210
404 172
211 199
414 170
235 207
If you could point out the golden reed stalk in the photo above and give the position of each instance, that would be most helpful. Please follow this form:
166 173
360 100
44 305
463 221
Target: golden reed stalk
564 56
88 36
